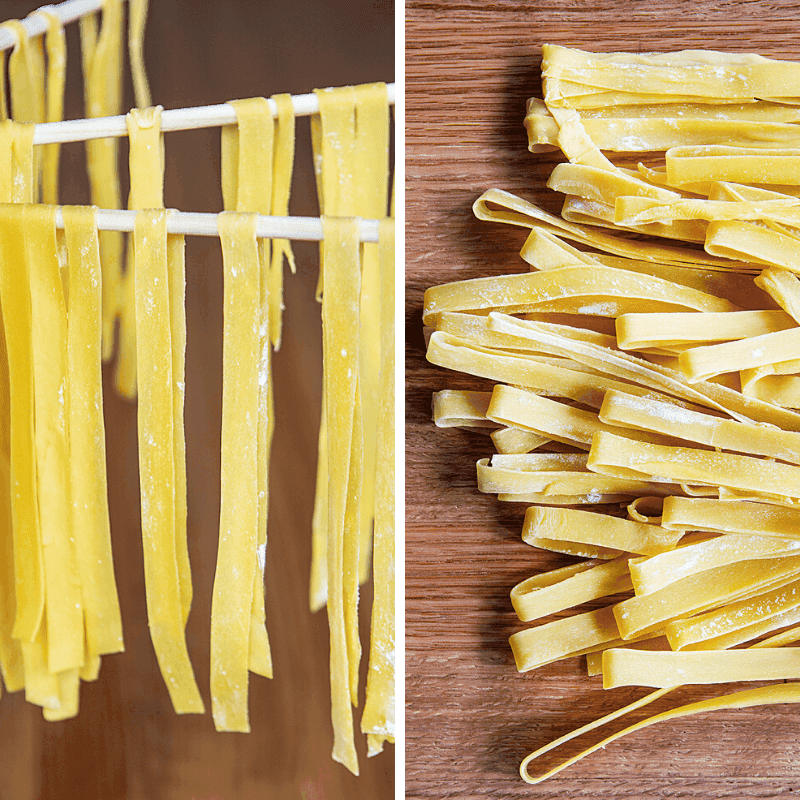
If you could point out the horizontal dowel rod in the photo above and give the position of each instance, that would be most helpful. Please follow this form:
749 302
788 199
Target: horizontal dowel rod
178 119
188 223
36 24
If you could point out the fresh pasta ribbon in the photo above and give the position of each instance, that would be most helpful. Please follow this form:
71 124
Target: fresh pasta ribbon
641 330
333 135
63 600
248 160
137 10
601 290
378 719
102 76
55 44
84 390
649 414
623 667
585 527
371 202
239 508
282 166
340 304
157 461
146 159
461 409
553 591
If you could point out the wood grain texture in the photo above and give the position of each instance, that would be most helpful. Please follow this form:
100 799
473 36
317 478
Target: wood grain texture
127 743
470 717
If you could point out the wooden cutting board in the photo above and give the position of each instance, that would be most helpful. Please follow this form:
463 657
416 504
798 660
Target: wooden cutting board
471 718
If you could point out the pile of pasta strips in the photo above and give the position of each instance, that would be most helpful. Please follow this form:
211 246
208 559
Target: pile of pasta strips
649 374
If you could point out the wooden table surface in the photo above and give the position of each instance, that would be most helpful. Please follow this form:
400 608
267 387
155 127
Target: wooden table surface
470 716
127 743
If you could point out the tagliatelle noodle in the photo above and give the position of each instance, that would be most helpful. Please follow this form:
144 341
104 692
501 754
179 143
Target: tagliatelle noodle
333 142
700 592
84 390
655 573
784 288
641 128
63 599
751 617
570 483
704 362
340 304
557 421
687 164
627 458
239 504
378 719
475 328
248 163
282 167
55 44
461 409
157 460
598 290
728 516
559 589
531 373
137 17
544 250
146 160
516 441
622 667
662 379
637 331
496 205
371 202
644 413
571 636
586 527
102 75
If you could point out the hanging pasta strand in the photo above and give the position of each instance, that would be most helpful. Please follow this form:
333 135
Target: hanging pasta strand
247 169
146 166
340 304
56 47
90 521
371 201
163 582
102 75
378 718
63 599
231 610
333 141
282 168
137 19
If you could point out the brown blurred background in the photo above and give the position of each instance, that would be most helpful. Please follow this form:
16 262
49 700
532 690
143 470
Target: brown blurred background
127 743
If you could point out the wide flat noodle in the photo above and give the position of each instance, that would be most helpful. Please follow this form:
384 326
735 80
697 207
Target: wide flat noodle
378 719
90 520
238 535
586 527
146 159
63 600
340 304
157 461
623 667
102 77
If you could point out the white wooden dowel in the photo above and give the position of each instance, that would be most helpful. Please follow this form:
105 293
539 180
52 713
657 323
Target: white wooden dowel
178 119
194 224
